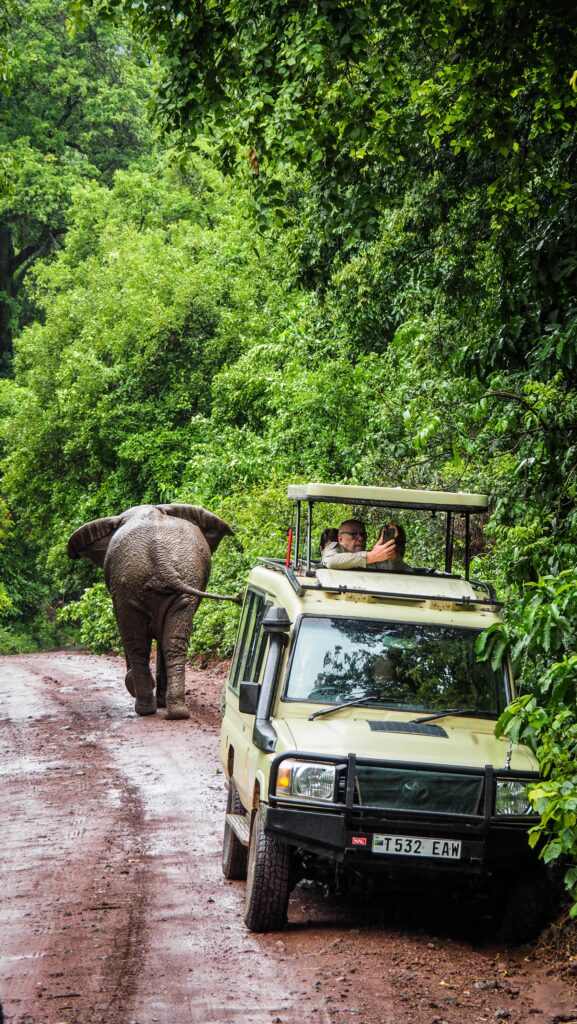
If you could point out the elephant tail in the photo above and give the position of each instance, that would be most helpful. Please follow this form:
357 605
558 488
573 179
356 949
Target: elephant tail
237 599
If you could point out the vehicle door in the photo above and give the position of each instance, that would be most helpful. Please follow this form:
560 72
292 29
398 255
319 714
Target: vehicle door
247 665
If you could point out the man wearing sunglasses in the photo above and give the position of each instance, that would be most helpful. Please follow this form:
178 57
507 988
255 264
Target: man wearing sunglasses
350 550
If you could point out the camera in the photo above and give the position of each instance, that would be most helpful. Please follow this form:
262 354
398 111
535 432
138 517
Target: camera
389 534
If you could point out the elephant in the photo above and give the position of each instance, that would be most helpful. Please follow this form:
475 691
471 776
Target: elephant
156 561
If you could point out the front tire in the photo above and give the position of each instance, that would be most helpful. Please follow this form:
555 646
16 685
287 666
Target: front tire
268 881
234 854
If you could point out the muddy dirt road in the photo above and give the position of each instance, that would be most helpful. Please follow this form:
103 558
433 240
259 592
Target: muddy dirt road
114 909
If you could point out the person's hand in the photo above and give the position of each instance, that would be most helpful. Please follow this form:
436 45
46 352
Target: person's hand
383 550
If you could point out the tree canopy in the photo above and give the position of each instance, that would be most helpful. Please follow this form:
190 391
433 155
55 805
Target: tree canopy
71 109
347 93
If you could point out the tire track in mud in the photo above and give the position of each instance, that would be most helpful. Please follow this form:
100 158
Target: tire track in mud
121 915
64 877
132 922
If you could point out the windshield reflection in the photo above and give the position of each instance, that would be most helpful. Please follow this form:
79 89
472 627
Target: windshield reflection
413 666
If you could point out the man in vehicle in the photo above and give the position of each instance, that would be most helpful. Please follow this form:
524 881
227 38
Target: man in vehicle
350 550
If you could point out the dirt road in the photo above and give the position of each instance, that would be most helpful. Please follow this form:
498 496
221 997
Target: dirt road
115 911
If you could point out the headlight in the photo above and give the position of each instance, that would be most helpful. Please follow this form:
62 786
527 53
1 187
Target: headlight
307 781
512 797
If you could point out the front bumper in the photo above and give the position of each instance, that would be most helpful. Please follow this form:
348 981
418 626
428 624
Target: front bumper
343 831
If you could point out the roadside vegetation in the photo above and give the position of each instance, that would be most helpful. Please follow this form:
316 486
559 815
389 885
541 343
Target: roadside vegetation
351 255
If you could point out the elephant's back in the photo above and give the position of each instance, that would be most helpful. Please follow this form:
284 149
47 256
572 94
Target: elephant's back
157 553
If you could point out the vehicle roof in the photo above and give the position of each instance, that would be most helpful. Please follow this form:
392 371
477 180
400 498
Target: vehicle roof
391 497
360 594
399 584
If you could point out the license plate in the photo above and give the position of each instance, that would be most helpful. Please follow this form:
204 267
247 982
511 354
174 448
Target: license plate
417 846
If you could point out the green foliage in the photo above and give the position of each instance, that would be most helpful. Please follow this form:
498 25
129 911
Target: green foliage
546 625
159 285
549 726
21 636
546 717
346 105
94 615
27 621
115 384
6 603
72 109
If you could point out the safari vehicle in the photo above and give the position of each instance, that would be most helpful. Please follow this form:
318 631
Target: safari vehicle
358 734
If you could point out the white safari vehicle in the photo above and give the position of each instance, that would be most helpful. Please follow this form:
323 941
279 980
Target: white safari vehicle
358 734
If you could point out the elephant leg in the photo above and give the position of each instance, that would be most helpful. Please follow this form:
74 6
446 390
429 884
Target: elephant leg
142 682
137 642
175 638
160 676
128 679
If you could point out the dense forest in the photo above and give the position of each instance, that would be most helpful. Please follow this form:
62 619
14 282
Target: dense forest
242 245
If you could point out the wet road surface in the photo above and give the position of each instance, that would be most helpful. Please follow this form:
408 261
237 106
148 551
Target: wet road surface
114 909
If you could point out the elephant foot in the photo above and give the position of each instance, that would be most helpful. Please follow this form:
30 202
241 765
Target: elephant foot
129 683
175 711
145 707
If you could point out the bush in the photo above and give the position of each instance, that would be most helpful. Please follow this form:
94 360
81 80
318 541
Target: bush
95 615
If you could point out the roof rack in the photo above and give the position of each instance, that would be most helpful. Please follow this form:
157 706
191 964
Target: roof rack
449 502
289 572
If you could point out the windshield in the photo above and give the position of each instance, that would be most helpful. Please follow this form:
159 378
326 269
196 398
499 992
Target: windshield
413 666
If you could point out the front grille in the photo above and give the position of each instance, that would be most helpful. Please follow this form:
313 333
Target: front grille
403 789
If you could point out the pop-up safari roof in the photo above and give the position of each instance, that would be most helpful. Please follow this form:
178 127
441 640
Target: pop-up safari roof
390 497
453 503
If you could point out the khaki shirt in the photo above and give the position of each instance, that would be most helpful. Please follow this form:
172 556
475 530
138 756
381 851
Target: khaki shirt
335 557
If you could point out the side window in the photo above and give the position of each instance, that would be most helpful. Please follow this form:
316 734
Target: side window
252 640
259 648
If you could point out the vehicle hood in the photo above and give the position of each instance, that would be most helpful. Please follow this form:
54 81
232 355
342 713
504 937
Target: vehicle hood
465 743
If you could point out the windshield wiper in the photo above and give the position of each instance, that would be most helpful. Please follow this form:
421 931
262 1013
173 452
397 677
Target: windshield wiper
339 707
443 714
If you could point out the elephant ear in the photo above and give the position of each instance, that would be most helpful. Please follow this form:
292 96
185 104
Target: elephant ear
92 540
213 527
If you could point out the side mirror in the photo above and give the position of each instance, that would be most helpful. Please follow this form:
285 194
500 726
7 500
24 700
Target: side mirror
248 695
276 621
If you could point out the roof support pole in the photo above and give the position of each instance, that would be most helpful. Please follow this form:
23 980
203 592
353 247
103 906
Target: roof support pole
449 543
309 535
298 536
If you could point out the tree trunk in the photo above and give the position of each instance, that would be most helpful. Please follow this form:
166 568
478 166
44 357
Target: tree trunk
7 296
